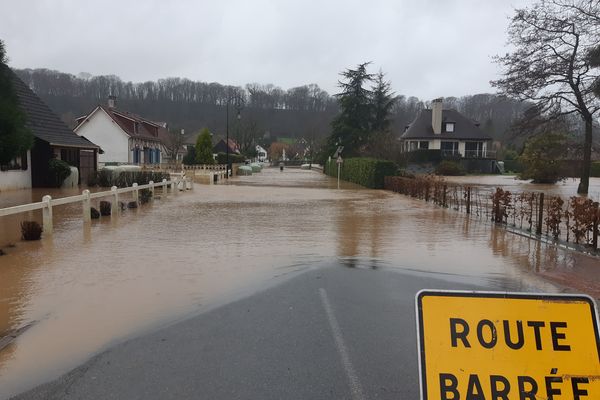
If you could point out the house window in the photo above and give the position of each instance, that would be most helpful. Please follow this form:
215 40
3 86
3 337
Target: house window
474 150
17 163
449 126
424 145
449 148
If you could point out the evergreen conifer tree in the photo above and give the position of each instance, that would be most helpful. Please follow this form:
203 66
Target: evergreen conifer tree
204 153
15 138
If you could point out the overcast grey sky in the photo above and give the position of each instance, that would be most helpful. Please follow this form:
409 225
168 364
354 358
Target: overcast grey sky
428 48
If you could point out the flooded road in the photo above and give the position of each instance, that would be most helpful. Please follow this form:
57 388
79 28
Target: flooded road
88 287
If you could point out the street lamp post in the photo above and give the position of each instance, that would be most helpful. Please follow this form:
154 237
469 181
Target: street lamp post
238 108
227 140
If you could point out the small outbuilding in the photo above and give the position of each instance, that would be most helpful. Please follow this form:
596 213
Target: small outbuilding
52 139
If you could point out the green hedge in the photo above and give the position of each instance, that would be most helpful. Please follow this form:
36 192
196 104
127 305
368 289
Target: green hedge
421 156
233 158
367 172
595 171
449 168
109 178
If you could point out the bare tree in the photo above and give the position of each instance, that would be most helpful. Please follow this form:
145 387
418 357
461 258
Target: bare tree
174 143
550 63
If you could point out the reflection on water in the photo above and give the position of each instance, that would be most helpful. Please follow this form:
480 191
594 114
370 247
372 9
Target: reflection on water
88 286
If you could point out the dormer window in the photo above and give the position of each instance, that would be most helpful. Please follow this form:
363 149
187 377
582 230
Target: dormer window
449 126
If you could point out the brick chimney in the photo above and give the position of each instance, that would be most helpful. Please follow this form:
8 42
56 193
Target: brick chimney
436 115
111 101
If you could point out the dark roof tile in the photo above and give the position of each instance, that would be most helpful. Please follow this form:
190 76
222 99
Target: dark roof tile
464 128
43 123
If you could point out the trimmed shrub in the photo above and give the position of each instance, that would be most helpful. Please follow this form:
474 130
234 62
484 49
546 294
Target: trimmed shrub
105 208
58 171
94 214
368 172
31 230
449 168
595 171
145 196
132 204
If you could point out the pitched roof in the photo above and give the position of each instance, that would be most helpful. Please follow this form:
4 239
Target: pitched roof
464 128
127 121
43 123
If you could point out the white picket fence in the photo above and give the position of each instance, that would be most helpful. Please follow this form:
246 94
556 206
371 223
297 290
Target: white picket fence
86 196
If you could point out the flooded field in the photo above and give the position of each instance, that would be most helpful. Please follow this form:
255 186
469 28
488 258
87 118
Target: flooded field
90 286
565 188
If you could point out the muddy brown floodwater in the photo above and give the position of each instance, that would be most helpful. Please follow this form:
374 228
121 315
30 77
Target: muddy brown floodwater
90 286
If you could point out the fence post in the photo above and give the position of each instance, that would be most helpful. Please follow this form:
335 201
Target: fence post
175 186
540 221
87 209
164 187
596 220
444 196
136 192
468 199
151 183
114 199
47 214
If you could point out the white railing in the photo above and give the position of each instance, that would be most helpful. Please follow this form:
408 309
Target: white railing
86 196
208 167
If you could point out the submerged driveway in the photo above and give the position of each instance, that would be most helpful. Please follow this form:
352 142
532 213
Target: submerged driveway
335 271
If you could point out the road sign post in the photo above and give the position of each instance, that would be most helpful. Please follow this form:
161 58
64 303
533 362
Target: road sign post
482 345
339 162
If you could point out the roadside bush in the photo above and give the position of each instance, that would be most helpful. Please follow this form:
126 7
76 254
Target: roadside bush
59 171
542 157
513 166
368 172
233 158
449 168
31 230
595 171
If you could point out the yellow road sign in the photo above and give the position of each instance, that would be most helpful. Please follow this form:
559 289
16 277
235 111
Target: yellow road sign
507 346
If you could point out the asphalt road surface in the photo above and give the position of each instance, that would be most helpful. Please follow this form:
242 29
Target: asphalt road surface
333 332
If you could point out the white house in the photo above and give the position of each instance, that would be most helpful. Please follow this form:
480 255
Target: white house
126 138
261 153
446 130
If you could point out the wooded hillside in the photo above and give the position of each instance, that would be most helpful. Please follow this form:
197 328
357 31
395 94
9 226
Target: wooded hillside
297 112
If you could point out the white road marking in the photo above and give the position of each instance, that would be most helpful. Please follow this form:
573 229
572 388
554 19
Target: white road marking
355 386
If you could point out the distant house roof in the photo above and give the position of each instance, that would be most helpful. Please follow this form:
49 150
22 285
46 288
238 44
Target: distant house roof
130 123
43 123
220 147
464 128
